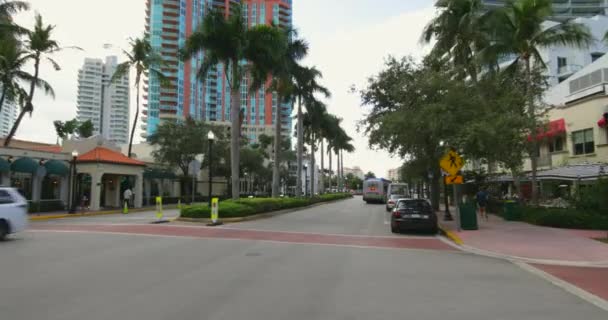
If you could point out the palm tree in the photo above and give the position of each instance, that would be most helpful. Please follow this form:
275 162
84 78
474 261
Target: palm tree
305 87
39 44
143 59
518 30
459 31
7 9
227 42
329 125
314 117
285 72
12 62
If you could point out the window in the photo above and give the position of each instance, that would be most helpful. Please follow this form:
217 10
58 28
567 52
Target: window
596 55
5 197
556 144
583 142
561 62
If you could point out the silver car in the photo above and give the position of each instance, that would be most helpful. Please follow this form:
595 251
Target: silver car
391 202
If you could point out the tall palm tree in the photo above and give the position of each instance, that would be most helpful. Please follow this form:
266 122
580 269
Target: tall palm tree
305 87
285 73
227 42
143 59
8 29
459 31
313 119
39 44
329 125
518 30
12 62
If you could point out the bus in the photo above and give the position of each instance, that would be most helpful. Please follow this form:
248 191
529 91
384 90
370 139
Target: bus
375 190
396 191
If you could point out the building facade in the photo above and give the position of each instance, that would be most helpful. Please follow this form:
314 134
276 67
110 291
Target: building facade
565 9
393 174
104 102
170 23
356 171
8 115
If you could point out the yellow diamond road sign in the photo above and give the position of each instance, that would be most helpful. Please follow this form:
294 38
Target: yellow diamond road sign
454 180
451 163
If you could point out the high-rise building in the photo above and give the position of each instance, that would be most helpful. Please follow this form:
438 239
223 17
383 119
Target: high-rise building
170 23
566 9
102 101
8 115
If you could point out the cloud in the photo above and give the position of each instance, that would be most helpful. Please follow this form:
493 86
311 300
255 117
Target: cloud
349 57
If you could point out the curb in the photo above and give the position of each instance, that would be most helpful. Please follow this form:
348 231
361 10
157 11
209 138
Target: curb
451 235
258 216
91 214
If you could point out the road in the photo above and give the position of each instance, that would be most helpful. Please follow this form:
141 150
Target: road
335 261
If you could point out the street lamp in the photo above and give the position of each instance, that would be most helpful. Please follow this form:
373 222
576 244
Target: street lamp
73 197
210 137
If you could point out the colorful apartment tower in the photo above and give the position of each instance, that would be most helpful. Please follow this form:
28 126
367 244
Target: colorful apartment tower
169 23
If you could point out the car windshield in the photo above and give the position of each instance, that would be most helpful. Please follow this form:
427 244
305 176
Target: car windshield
414 204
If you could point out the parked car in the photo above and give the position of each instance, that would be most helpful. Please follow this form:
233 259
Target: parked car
13 212
413 215
392 201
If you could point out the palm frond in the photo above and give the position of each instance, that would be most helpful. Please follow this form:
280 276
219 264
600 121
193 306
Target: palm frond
121 70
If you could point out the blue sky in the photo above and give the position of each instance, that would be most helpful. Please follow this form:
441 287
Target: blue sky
348 39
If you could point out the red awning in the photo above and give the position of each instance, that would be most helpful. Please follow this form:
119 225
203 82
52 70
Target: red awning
552 129
603 121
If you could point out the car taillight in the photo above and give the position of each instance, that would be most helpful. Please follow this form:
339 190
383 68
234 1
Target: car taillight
391 202
396 213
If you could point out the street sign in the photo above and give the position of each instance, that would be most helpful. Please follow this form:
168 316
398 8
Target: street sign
454 180
194 167
451 163
214 210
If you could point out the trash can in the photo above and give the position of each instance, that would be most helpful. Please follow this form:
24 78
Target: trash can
468 217
511 211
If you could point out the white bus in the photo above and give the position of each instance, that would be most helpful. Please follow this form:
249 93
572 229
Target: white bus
375 190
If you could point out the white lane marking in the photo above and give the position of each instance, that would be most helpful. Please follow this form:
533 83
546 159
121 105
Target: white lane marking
587 296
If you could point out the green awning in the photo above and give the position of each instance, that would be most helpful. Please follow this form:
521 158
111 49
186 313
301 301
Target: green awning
26 165
56 167
5 166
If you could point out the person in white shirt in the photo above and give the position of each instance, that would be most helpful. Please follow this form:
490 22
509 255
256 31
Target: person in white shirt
127 196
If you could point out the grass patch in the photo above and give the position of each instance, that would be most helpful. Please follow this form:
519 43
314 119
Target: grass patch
248 207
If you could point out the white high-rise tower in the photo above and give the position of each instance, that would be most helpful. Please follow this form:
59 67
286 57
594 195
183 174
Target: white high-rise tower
102 101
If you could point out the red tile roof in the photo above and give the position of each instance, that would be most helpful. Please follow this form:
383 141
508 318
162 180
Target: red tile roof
52 149
105 155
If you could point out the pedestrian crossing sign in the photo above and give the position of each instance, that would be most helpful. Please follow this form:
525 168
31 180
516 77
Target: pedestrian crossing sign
451 163
454 180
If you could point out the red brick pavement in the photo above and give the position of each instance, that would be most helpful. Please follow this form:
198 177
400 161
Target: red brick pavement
431 243
592 280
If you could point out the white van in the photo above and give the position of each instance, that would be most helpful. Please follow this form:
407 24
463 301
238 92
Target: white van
13 212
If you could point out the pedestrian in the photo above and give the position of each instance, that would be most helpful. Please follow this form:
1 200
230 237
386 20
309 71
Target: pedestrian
482 203
127 196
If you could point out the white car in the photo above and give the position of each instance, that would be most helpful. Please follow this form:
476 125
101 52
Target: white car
13 212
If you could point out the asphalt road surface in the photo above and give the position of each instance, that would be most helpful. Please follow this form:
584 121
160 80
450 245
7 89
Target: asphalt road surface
335 261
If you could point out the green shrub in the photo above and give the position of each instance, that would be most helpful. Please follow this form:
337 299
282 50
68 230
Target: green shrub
251 206
46 206
593 197
564 218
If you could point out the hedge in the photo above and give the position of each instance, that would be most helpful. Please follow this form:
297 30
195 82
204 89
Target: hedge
46 206
252 206
567 218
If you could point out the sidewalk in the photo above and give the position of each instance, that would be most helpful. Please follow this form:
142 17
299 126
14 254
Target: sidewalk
539 244
65 214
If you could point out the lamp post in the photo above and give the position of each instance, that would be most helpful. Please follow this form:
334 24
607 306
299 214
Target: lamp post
73 198
210 137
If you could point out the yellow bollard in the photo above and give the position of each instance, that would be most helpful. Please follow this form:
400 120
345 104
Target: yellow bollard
159 208
179 204
125 209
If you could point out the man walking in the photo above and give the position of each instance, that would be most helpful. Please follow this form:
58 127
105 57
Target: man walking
482 202
127 196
